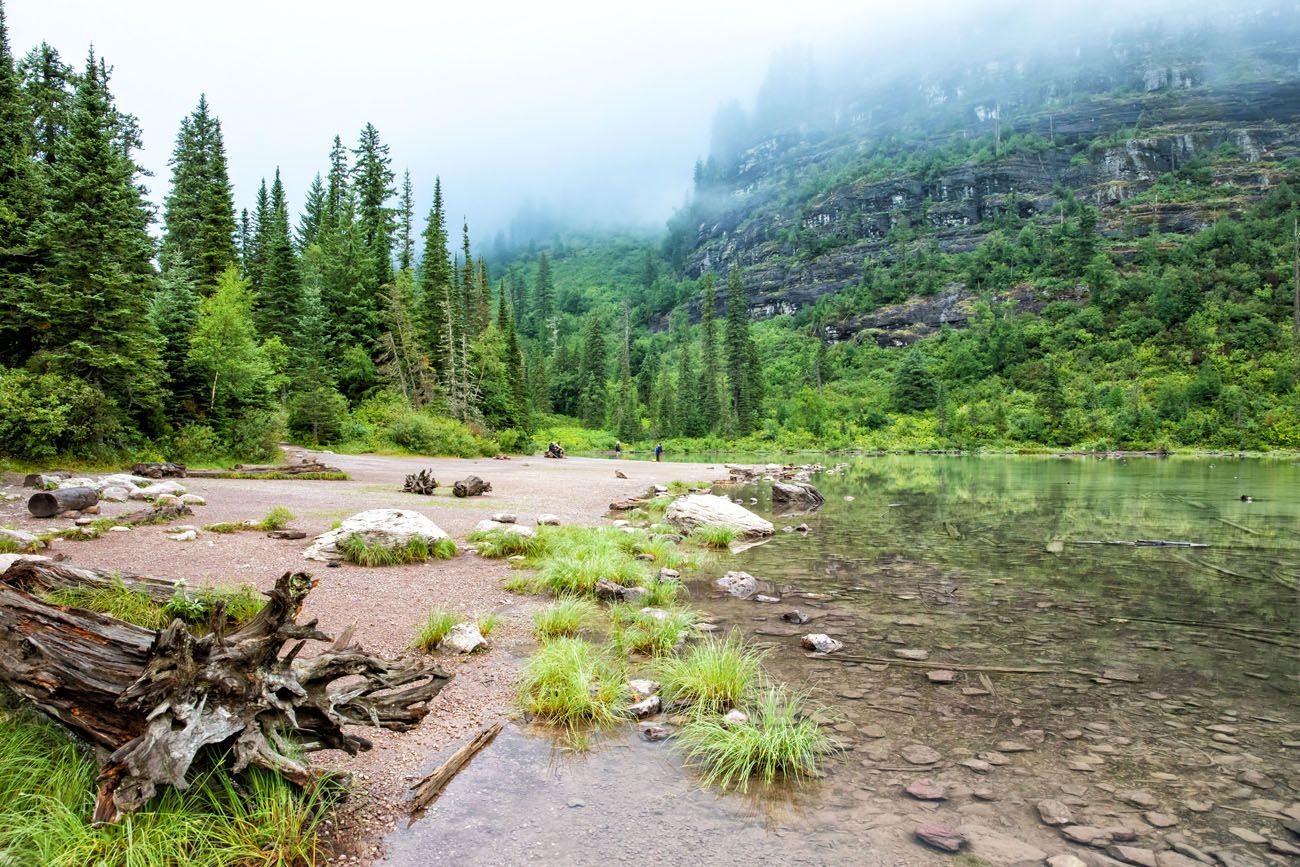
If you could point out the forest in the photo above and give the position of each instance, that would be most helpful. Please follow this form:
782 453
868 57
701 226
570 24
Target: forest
202 334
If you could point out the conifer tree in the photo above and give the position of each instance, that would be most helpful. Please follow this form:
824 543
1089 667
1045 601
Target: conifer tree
482 295
627 421
591 374
174 311
435 286
90 305
313 211
259 224
372 178
336 189
539 386
403 361
544 296
741 358
405 222
277 298
710 400
21 204
47 82
199 212
913 388
686 416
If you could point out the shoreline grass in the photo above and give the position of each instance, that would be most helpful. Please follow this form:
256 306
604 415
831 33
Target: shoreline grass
276 519
564 618
571 682
714 675
355 549
714 537
434 629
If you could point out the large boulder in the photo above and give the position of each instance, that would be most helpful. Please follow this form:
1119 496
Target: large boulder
708 510
125 480
390 528
796 495
742 585
157 490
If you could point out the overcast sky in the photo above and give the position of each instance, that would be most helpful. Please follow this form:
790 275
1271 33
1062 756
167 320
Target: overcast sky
602 106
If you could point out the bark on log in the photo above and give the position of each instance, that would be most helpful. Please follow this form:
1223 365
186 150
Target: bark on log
298 469
471 486
431 786
151 701
159 470
422 482
47 504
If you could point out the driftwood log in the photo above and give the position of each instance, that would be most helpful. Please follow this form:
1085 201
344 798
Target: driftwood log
149 701
431 786
303 467
422 482
47 504
471 486
159 470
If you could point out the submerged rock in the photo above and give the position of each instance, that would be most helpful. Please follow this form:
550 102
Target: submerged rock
391 528
920 754
742 585
925 789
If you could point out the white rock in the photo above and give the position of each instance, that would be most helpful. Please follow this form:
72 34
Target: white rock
114 494
391 528
643 688
503 518
736 717
81 482
125 480
548 520
821 643
742 585
657 613
708 510
193 500
518 529
21 538
645 707
157 490
620 523
661 489
463 638
7 560
164 500
185 536
119 528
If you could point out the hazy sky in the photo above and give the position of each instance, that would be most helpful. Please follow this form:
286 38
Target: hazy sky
594 106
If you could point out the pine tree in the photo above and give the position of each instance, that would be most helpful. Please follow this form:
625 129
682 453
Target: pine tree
90 304
686 415
47 82
710 400
254 248
336 189
591 374
309 365
627 417
435 286
353 312
544 297
913 388
21 204
174 311
199 212
277 298
372 178
539 386
405 222
740 372
244 240
313 212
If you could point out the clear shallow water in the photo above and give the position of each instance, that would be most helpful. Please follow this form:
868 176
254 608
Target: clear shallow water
1138 652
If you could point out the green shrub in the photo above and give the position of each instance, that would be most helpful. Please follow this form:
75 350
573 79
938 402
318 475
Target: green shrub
569 682
196 444
355 549
563 618
776 741
318 416
44 415
257 435
435 629
276 519
428 435
714 675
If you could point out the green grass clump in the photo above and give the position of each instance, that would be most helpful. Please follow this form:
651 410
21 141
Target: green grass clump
242 604
435 629
714 537
487 623
355 549
523 584
133 606
571 682
564 618
497 543
678 488
655 509
577 558
777 741
663 592
276 519
47 797
637 631
228 527
714 675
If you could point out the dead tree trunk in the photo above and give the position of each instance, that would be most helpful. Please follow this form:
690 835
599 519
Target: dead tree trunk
47 504
422 482
151 701
471 486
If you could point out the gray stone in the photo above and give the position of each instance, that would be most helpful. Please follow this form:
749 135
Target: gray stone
1088 835
548 520
193 500
1247 835
1133 855
920 754
644 708
463 638
979 766
643 688
503 517
1065 859
158 489
742 585
184 536
707 510
1160 820
925 789
1002 850
795 617
654 733
941 676
1053 812
486 525
914 653
21 539
1170 858
391 528
114 494
1142 800
735 717
820 643
1252 777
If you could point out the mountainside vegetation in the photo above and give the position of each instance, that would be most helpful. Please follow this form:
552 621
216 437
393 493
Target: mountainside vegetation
1091 246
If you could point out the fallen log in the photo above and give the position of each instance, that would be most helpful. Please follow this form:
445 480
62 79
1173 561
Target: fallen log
150 701
47 504
471 486
160 515
302 468
432 785
159 470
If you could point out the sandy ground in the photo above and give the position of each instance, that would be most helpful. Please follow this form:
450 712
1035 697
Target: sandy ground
388 603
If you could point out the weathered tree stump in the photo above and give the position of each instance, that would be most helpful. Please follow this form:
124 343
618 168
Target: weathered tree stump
159 470
151 701
47 504
471 486
422 482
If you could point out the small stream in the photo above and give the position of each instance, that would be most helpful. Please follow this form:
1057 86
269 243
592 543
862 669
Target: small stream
1162 699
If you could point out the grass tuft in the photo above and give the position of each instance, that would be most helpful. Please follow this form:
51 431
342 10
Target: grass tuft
564 618
777 741
570 682
714 537
576 558
496 543
283 477
276 519
435 629
487 623
133 606
355 549
714 675
637 631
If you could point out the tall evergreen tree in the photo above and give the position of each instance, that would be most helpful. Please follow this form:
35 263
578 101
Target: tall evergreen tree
544 296
435 287
21 204
372 178
199 212
591 374
254 252
174 311
90 304
313 212
741 374
336 188
48 83
278 295
482 295
710 400
627 418
405 222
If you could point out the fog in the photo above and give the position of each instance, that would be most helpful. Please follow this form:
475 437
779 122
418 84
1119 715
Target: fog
591 110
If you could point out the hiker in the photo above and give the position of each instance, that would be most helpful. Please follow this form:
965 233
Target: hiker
618 448
659 450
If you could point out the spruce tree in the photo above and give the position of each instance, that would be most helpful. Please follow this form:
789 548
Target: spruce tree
482 295
174 311
544 297
710 400
336 188
21 204
435 286
47 82
90 307
313 212
405 222
591 374
627 419
277 298
372 178
913 388
199 212
254 247
740 356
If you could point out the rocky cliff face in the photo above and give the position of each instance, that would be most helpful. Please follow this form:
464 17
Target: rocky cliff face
803 212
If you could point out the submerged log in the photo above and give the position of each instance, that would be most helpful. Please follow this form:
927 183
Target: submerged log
47 504
431 786
471 486
151 701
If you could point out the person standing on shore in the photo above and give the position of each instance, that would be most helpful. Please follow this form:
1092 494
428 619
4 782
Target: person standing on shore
659 450
618 448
